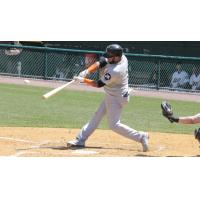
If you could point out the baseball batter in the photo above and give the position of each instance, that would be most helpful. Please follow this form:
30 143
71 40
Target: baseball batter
113 67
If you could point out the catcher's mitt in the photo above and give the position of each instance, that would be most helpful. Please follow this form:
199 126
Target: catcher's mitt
197 134
167 111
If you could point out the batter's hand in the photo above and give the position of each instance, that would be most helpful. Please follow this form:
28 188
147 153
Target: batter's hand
84 73
78 79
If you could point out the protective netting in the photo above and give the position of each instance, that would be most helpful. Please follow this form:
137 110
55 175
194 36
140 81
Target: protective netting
145 71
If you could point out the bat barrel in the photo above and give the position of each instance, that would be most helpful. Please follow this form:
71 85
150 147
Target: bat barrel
56 90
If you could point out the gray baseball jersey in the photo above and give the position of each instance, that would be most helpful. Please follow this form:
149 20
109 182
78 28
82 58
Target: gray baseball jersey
115 78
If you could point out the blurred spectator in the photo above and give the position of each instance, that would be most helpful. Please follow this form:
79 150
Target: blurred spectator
195 79
13 51
154 78
14 63
59 74
77 69
19 68
180 78
72 66
90 58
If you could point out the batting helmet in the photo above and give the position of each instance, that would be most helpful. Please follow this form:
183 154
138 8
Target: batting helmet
113 50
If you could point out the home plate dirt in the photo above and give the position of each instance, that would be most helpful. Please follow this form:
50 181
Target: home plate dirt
51 142
84 152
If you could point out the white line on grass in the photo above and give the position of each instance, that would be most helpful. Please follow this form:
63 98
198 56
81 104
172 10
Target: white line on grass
17 140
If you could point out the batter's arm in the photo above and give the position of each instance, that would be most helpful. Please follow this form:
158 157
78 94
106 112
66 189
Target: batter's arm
89 70
93 83
94 67
99 64
90 82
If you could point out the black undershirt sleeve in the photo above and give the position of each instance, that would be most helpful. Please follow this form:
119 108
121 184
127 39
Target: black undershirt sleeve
100 84
103 62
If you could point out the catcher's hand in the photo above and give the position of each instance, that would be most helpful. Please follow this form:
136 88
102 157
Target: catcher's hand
167 111
197 134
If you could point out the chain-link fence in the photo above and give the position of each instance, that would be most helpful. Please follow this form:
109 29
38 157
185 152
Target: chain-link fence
145 71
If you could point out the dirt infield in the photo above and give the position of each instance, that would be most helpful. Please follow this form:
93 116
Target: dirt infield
51 142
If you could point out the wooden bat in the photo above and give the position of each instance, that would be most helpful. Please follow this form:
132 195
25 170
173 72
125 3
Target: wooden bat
56 90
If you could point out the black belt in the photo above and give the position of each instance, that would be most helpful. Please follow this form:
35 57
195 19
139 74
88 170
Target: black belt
126 94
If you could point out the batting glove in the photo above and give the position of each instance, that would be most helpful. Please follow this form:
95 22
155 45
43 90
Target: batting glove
84 73
78 79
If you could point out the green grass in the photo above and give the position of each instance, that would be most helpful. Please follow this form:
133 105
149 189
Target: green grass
23 106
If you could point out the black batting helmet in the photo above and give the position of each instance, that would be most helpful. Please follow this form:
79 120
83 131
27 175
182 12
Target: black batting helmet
113 50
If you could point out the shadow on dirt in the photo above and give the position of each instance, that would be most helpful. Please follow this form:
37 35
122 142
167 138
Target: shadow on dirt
75 148
143 155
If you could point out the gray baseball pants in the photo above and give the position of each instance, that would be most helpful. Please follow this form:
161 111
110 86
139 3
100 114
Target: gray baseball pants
112 107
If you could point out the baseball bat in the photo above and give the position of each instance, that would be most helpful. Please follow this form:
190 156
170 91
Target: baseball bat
56 90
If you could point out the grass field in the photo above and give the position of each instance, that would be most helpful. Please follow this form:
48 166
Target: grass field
23 106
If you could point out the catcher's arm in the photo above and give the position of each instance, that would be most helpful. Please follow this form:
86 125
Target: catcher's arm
189 119
168 113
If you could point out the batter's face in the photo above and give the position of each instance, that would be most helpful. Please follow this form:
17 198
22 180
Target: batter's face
114 59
